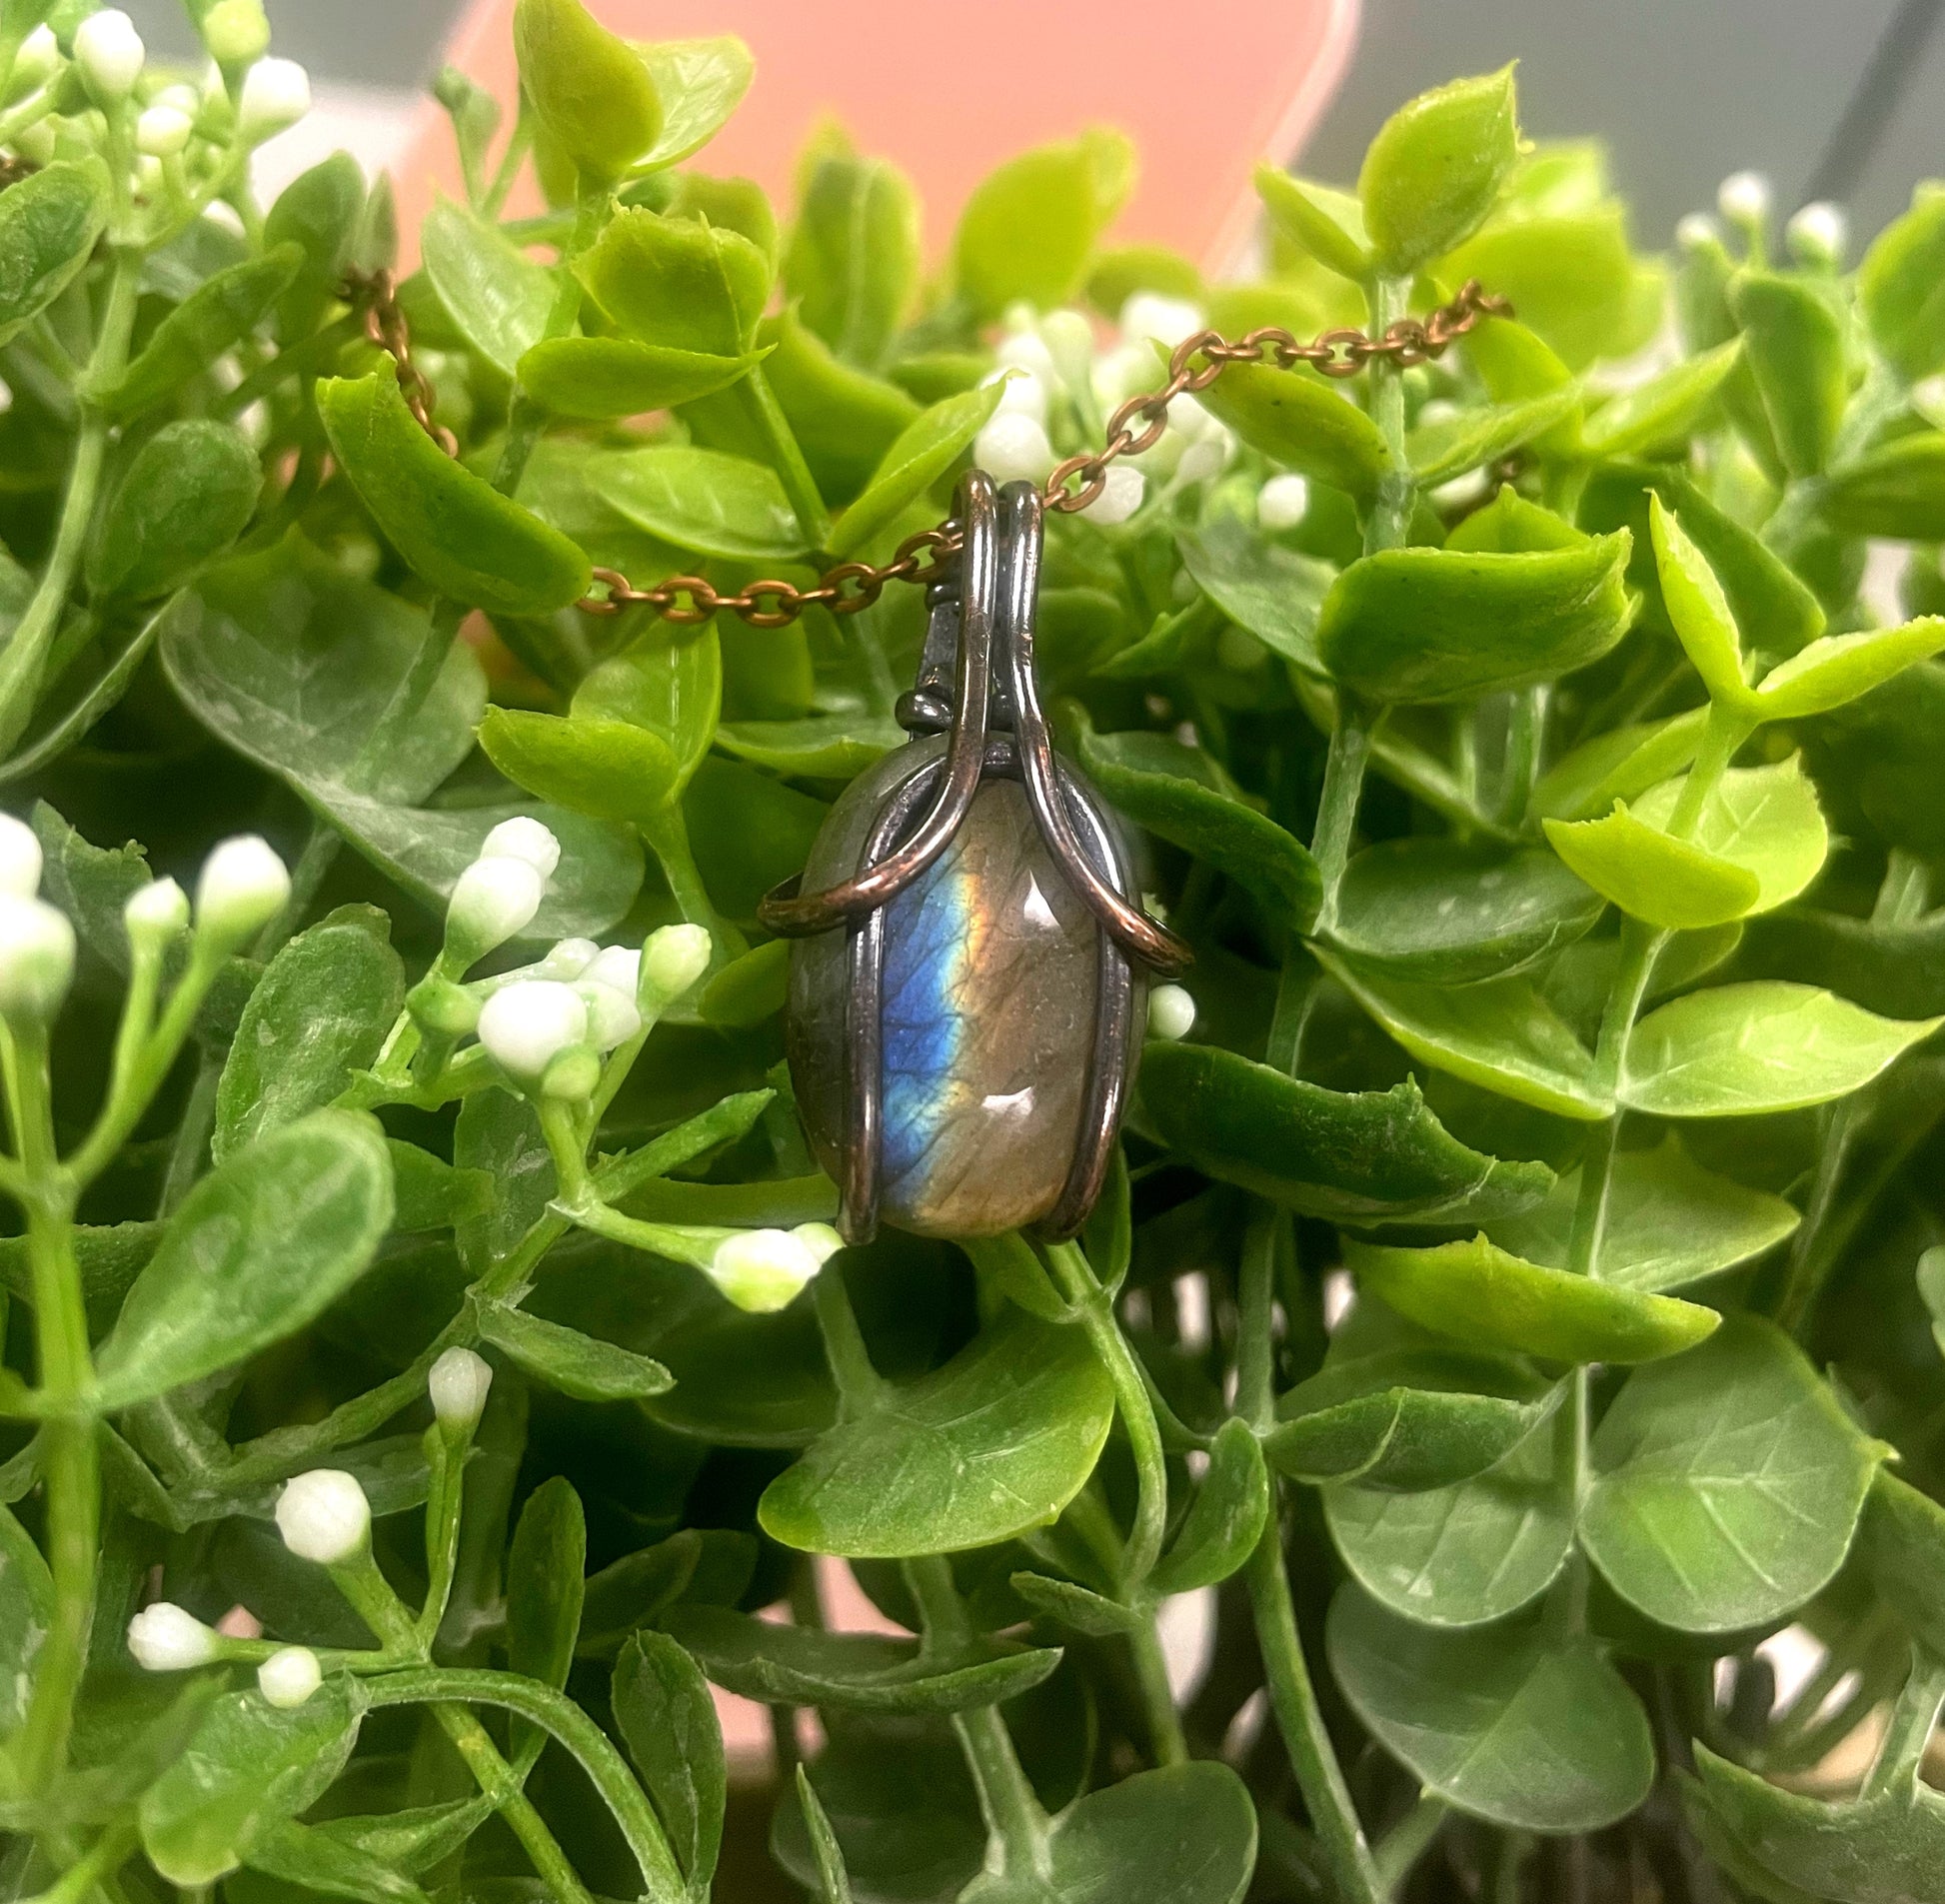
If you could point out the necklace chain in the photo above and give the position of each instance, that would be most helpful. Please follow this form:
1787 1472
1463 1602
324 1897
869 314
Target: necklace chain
1195 364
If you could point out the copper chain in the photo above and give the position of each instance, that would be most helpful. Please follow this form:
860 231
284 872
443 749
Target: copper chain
1137 425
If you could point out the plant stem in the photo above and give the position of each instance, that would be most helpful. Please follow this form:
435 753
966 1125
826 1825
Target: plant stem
1410 1839
765 416
667 833
1344 783
1389 520
1910 1730
1166 1736
858 1384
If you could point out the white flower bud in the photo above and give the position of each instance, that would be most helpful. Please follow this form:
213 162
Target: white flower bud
242 887
1818 234
458 1382
109 52
39 56
20 857
763 1271
166 1638
619 967
1120 494
235 32
1021 393
567 958
1283 502
612 1016
289 1675
1206 458
37 142
184 99
1697 231
672 960
1172 1013
493 900
162 132
1015 448
276 94
1026 350
36 959
324 1516
1743 198
820 1240
524 838
157 912
1168 321
148 176
1119 373
1069 341
529 1023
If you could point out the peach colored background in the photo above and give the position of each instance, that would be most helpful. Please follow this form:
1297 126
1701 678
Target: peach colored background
1205 87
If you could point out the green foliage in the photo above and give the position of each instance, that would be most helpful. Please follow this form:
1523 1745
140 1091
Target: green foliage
1549 1180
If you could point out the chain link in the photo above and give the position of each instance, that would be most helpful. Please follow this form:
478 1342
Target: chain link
1195 364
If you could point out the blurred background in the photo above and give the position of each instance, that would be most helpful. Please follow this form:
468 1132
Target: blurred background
1832 97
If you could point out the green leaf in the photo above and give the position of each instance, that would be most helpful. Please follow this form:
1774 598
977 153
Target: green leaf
454 529
1747 1050
1567 274
1298 419
1432 624
1326 224
26 1614
578 1366
1902 1546
1698 608
1619 765
1224 1520
1509 526
702 500
591 91
1668 883
699 84
1794 337
260 1246
1501 1033
667 681
1030 228
1075 1606
833 1881
1763 819
319 212
1270 590
546 1565
661 1705
1727 1483
1477 1293
1901 287
185 496
601 379
924 452
1474 439
680 283
496 295
1358 1158
843 418
1840 668
49 222
850 1672
319 1013
853 257
1407 1419
819 748
249 1767
997 1441
431 1194
1433 173
325 1862
414 1839
611 770
1528 1729
1896 490
1179 794
1465 1554
218 315
1668 1221
1442 912
1663 409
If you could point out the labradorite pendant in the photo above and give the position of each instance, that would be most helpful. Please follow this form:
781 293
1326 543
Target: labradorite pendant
968 984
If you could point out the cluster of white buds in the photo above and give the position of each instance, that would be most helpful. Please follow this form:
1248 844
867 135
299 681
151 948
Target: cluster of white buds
36 940
497 898
324 1516
763 1271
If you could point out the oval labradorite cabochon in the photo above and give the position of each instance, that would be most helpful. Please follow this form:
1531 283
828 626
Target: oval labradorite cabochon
987 1022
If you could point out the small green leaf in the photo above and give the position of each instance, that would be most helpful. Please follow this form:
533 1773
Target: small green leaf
1185 1833
1326 224
843 419
591 91
611 770
1224 1520
1747 1050
1526 1727
680 283
319 1013
1763 819
1567 274
833 1880
600 379
578 1366
1298 419
416 1838
324 1862
854 257
1665 408
1476 1294
852 1673
667 681
1619 765
1665 882
26 1614
1445 913
1076 1606
1896 490
1839 668
215 317
1435 624
1270 590
702 500
49 222
1796 343
1030 228
497 296
1178 793
258 1250
1698 608
1901 287
1901 1545
319 212
1727 1483
186 495
699 84
1360 1157
1433 173
999 1440
1474 439
823 747
668 1721
455 530
924 452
